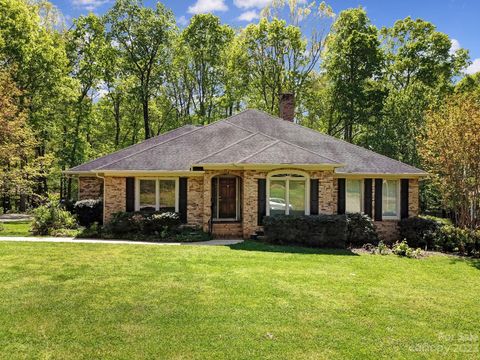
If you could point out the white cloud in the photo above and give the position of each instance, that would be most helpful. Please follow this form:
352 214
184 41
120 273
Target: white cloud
89 5
182 21
474 67
248 4
207 6
455 46
248 15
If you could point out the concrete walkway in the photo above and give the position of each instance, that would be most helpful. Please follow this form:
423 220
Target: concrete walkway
218 242
15 217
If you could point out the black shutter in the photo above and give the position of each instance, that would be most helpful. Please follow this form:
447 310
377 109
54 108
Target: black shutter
313 196
404 199
378 199
261 200
341 197
130 194
367 197
182 199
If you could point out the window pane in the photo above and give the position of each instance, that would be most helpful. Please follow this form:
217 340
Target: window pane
389 203
277 201
297 197
147 195
353 196
167 195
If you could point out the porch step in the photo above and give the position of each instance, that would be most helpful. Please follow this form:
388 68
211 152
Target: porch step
226 230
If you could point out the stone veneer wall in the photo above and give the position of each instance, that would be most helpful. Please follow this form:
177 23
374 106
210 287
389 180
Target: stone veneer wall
195 201
90 187
114 199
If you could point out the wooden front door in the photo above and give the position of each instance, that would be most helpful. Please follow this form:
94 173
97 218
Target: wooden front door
227 198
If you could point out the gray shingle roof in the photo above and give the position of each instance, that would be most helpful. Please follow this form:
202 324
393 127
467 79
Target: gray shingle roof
250 137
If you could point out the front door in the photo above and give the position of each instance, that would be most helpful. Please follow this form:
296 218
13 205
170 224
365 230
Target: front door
227 198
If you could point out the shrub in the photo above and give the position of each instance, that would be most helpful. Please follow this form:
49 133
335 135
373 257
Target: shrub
455 239
402 249
419 232
191 235
49 218
145 223
311 230
89 211
361 230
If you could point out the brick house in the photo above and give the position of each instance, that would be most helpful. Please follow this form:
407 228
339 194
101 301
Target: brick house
229 174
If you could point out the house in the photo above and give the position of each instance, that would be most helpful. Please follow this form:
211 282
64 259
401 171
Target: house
231 173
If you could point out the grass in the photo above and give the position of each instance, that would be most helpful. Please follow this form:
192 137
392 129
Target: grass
247 301
15 228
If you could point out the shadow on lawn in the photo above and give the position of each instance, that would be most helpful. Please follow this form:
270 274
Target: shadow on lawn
250 245
470 261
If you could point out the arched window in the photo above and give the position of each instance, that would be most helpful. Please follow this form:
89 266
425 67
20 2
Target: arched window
288 193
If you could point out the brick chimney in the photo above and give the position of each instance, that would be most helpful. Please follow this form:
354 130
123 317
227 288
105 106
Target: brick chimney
287 106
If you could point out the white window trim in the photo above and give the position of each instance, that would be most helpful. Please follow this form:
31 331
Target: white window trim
362 194
397 217
157 191
237 198
306 178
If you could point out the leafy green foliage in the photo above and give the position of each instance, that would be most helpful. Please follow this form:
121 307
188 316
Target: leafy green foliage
361 230
402 249
419 232
89 211
455 239
52 219
315 230
128 224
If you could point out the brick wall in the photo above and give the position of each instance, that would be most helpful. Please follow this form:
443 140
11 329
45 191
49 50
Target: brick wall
90 187
114 199
195 201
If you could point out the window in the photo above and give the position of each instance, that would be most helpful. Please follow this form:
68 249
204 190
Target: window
390 196
353 196
287 194
157 194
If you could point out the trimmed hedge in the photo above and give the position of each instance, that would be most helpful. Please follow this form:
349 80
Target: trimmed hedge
329 231
419 232
145 223
89 211
361 230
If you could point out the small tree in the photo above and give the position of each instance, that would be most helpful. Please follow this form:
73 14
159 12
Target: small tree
451 150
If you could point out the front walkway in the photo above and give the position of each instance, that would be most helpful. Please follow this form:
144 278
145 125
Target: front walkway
101 241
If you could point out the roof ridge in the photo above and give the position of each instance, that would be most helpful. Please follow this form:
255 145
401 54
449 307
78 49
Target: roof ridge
174 138
130 146
226 147
337 139
287 142
259 151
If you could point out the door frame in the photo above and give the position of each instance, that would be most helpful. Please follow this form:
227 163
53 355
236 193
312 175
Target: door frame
237 217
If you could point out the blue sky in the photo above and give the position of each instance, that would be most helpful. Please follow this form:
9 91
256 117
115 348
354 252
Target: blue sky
457 18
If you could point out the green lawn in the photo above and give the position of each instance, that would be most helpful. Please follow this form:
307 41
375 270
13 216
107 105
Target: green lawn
71 301
16 228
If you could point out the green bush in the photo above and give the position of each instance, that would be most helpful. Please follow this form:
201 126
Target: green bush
313 230
49 218
89 211
144 223
402 249
455 239
361 230
191 235
419 232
